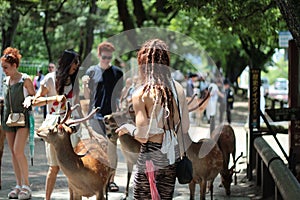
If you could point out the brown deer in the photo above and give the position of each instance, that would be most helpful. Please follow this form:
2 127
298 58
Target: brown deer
207 160
87 166
129 146
224 136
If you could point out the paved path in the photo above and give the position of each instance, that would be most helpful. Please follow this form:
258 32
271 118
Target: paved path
243 190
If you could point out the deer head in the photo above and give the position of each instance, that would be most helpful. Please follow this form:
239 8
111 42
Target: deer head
226 175
116 119
59 128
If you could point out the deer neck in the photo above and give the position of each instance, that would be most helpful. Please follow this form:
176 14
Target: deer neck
66 156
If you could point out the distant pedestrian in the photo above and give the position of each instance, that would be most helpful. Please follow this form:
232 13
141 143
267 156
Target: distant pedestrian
190 87
211 108
37 83
190 91
229 96
51 67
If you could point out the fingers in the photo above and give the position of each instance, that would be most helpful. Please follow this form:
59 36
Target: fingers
85 79
27 101
122 130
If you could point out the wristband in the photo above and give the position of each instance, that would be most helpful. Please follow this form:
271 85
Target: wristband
132 134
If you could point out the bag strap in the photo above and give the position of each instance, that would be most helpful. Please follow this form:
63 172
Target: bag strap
9 96
177 99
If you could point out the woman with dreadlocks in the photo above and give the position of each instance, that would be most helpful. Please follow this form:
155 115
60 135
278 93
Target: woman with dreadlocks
157 121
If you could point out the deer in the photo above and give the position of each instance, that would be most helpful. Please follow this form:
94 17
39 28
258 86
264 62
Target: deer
87 166
129 146
225 138
207 161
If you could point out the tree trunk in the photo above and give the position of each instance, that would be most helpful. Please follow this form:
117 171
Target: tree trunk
90 26
127 21
288 11
45 25
9 32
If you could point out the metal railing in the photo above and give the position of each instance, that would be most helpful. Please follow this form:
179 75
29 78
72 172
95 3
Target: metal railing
273 175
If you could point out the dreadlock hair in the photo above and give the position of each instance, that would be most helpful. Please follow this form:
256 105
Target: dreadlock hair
65 61
154 67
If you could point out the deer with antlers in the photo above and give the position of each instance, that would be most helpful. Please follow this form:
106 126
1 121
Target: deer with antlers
224 136
87 166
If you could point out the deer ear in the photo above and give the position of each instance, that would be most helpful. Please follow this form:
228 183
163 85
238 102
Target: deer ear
231 169
74 128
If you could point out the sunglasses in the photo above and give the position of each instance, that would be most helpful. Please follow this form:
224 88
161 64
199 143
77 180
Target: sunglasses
9 58
106 57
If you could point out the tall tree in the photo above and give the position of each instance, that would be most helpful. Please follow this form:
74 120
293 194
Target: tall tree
12 11
254 22
290 10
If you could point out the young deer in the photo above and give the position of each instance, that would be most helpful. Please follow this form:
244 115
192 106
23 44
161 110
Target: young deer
224 136
87 173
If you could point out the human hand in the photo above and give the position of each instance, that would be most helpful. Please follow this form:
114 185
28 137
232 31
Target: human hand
61 98
85 79
27 101
126 128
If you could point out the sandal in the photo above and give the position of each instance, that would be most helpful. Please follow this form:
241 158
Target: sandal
112 187
14 193
25 192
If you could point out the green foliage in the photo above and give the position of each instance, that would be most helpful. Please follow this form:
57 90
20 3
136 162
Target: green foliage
279 70
235 33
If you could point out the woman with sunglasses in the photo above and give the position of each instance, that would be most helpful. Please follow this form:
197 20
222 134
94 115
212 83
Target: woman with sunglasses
14 84
56 89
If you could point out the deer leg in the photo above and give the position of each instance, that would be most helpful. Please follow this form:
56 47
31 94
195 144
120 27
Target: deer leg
211 188
203 189
192 186
100 197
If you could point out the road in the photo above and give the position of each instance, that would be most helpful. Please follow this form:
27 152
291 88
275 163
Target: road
244 189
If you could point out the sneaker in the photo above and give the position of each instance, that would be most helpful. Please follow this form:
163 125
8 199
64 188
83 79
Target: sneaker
25 192
14 193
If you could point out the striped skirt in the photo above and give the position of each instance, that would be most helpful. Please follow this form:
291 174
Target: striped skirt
165 174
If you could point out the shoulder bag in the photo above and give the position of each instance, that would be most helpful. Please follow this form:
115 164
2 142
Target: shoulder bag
14 119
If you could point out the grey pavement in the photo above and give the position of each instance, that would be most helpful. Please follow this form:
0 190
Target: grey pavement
244 189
